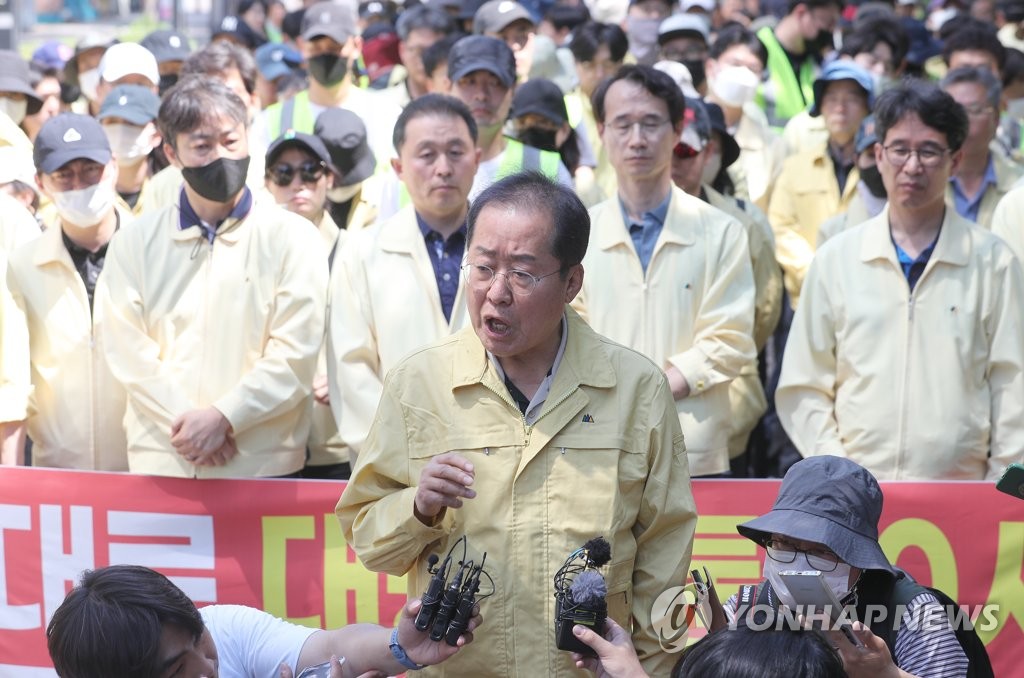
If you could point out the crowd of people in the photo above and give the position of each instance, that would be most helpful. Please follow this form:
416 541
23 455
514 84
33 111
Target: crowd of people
729 236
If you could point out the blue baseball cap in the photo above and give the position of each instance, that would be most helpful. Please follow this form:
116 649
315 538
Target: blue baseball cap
275 59
842 69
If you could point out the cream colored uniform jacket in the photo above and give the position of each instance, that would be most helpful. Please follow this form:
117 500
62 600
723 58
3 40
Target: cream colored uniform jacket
1008 173
921 386
694 309
747 399
17 225
805 195
1007 222
384 305
75 407
762 153
15 378
605 457
833 226
236 325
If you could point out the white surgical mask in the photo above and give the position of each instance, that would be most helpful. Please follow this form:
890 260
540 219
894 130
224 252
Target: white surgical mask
88 81
838 580
340 194
14 109
85 207
128 143
1015 109
711 169
735 85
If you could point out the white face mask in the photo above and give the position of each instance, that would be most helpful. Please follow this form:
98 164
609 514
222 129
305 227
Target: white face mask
15 110
88 81
86 207
1015 109
711 169
340 194
735 85
837 580
128 143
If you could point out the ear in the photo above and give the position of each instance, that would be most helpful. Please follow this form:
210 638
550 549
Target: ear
172 157
40 186
396 164
956 158
575 282
878 153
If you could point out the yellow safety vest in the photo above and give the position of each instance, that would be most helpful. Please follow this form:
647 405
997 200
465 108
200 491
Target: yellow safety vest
782 96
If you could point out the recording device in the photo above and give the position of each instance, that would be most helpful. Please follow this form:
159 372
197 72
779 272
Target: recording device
447 608
580 592
1012 481
809 590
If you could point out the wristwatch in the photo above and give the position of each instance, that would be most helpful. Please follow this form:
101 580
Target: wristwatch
399 653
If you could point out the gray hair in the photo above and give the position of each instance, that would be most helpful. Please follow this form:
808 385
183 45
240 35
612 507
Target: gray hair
977 75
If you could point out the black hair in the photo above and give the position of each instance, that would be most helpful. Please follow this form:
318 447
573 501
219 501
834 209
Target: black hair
567 16
588 37
744 653
432 104
735 34
976 36
534 191
866 35
219 57
813 4
1013 70
423 16
291 25
194 100
976 75
111 623
659 84
437 54
927 101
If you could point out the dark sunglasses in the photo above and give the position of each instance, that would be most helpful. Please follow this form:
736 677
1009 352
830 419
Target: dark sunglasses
309 172
685 151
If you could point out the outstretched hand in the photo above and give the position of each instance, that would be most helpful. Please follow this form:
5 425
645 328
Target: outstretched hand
616 657
417 644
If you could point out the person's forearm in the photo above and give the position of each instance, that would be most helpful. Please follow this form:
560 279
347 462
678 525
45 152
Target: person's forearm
364 647
12 443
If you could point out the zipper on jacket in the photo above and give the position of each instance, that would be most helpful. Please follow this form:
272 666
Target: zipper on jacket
903 386
208 265
522 417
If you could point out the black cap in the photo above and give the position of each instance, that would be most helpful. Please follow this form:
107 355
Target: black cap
67 137
15 77
482 53
542 97
335 20
293 139
344 135
468 8
134 103
730 149
167 45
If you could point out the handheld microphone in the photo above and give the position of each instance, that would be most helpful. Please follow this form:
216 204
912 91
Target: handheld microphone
580 592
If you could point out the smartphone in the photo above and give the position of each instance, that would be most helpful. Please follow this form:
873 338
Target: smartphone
1012 481
319 671
808 588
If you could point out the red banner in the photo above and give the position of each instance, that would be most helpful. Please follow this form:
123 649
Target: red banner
276 545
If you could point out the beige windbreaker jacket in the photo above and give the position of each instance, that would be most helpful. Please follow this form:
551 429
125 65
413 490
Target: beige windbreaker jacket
605 457
921 385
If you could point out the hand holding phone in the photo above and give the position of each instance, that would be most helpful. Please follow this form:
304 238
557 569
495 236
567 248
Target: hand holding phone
809 589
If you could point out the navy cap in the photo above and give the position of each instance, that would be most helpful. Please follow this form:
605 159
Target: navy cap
344 135
866 136
275 59
167 45
67 137
293 139
134 103
482 53
541 97
14 77
842 69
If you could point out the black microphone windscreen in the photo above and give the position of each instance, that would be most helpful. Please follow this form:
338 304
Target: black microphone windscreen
599 551
432 559
589 588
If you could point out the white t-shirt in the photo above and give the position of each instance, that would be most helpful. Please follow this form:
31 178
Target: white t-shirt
252 643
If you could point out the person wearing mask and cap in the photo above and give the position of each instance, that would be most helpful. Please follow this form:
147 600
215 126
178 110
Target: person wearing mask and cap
170 48
515 25
795 50
348 200
299 174
17 97
69 402
331 47
871 196
690 158
128 116
215 308
643 19
819 184
278 67
127 63
82 71
684 38
736 62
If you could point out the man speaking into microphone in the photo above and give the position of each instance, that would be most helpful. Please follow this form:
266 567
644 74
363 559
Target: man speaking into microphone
529 434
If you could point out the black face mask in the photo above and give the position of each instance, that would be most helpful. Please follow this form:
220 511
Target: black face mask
824 41
328 69
872 178
220 180
696 68
167 81
539 138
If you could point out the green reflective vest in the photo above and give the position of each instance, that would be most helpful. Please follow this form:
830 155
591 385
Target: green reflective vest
293 113
782 95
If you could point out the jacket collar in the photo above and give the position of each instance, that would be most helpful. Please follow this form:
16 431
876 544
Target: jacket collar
676 229
401 234
229 231
51 247
581 364
1006 174
953 246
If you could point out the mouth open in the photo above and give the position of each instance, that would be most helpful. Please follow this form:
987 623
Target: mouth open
497 327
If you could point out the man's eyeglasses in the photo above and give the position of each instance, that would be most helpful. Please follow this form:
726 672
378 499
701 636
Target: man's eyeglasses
520 283
283 174
784 552
685 151
928 156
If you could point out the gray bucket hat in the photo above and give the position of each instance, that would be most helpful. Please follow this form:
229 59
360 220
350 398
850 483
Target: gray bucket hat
829 500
